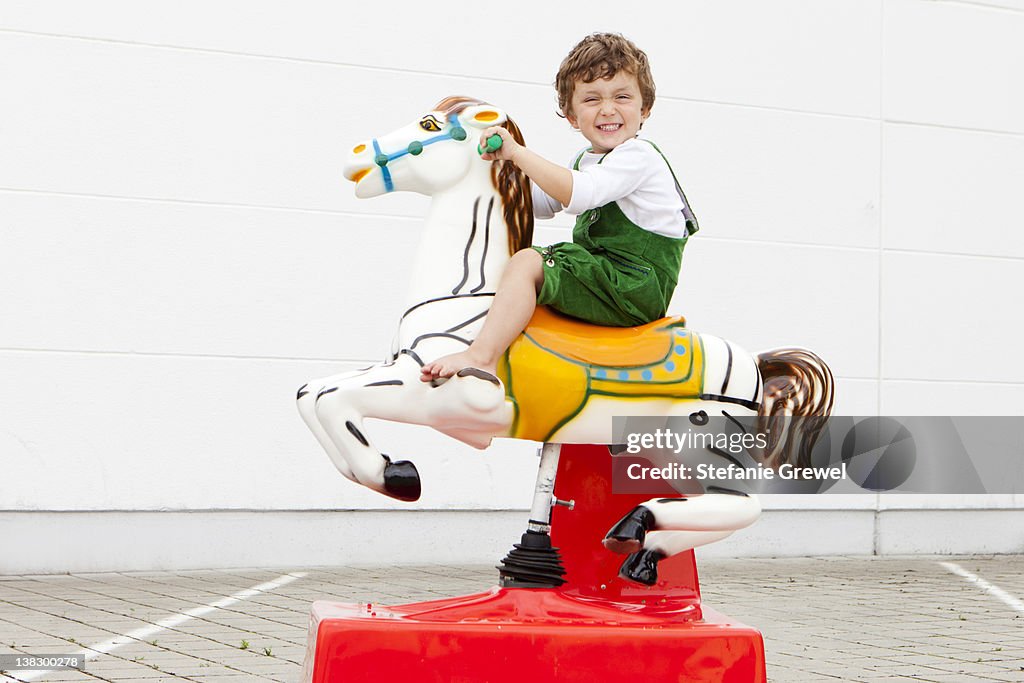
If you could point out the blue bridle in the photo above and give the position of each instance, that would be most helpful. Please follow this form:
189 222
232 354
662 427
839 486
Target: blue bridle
455 132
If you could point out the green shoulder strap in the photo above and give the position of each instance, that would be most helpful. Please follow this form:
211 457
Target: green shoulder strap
691 220
576 164
688 216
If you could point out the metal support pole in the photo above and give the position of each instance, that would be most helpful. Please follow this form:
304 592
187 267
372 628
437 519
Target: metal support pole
544 491
533 563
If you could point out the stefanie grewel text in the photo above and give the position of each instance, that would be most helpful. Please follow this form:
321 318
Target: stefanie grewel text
705 472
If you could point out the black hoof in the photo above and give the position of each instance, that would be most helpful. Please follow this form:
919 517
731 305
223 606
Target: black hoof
627 536
401 480
642 567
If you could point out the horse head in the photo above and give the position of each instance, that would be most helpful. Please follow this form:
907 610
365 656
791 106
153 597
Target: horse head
437 152
429 155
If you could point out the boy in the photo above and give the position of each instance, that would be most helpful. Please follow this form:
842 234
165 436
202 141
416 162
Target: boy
633 219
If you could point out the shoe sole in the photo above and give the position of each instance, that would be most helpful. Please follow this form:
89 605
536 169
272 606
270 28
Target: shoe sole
623 546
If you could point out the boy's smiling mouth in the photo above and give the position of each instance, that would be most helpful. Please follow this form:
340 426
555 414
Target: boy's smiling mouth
609 127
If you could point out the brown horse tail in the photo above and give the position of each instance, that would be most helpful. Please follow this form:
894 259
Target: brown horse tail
797 384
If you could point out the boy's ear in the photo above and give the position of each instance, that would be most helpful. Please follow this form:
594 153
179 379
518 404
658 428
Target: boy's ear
482 116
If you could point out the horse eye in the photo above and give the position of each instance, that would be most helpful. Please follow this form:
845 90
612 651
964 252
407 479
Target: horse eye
429 126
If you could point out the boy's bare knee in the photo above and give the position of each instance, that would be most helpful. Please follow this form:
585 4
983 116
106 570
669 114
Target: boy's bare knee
526 261
525 256
530 266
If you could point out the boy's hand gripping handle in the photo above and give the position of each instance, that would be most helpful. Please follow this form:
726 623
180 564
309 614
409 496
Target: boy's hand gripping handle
493 145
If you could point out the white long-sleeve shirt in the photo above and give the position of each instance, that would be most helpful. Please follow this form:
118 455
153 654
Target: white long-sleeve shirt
633 175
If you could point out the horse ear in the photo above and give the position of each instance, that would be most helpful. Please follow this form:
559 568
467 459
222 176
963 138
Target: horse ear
482 116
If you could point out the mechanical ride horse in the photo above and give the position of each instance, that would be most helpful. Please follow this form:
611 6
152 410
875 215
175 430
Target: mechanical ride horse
560 382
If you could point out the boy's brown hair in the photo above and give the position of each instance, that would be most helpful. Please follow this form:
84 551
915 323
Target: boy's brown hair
602 55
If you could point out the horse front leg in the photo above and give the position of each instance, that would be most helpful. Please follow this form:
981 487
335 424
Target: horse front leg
306 402
469 407
663 527
330 407
400 479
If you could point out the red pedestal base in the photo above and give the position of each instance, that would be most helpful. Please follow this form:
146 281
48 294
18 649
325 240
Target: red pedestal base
594 627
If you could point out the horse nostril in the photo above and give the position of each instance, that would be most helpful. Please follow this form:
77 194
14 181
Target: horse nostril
359 149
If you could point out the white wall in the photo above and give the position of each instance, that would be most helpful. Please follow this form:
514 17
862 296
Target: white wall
179 251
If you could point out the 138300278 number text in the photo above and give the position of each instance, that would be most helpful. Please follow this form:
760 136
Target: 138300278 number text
24 662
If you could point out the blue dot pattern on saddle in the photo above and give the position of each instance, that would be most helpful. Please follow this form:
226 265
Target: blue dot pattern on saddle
675 368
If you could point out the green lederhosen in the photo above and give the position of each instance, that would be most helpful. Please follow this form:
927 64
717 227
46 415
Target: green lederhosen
613 272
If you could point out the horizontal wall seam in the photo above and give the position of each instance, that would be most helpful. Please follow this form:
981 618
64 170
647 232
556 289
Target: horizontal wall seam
958 254
932 380
975 3
256 55
418 219
414 72
211 356
963 129
493 78
202 203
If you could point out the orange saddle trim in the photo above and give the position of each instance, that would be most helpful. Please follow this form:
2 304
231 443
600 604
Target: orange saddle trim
596 345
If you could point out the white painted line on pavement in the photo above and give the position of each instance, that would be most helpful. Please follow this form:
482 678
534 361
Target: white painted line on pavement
144 633
984 585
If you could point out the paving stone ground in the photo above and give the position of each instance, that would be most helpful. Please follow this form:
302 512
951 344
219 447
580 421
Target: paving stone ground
823 619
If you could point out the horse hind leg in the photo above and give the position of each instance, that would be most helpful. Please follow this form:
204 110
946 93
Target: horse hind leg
642 566
707 512
663 527
628 534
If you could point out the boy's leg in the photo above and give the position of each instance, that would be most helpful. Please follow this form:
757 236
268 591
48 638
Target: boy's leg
512 309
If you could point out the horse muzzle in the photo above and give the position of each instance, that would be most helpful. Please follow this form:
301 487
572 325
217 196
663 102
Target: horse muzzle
359 163
355 175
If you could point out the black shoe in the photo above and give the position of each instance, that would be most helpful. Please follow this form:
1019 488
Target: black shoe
401 480
627 536
642 567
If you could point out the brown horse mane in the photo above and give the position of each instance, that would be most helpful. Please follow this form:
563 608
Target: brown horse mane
511 183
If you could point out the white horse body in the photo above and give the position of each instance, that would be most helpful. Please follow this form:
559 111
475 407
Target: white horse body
449 261
456 271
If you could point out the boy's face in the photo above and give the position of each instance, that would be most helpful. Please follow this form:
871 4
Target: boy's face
607 111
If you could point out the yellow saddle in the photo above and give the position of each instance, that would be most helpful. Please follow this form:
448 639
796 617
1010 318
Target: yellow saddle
559 363
596 345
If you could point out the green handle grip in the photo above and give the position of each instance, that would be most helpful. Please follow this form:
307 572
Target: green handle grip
493 145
